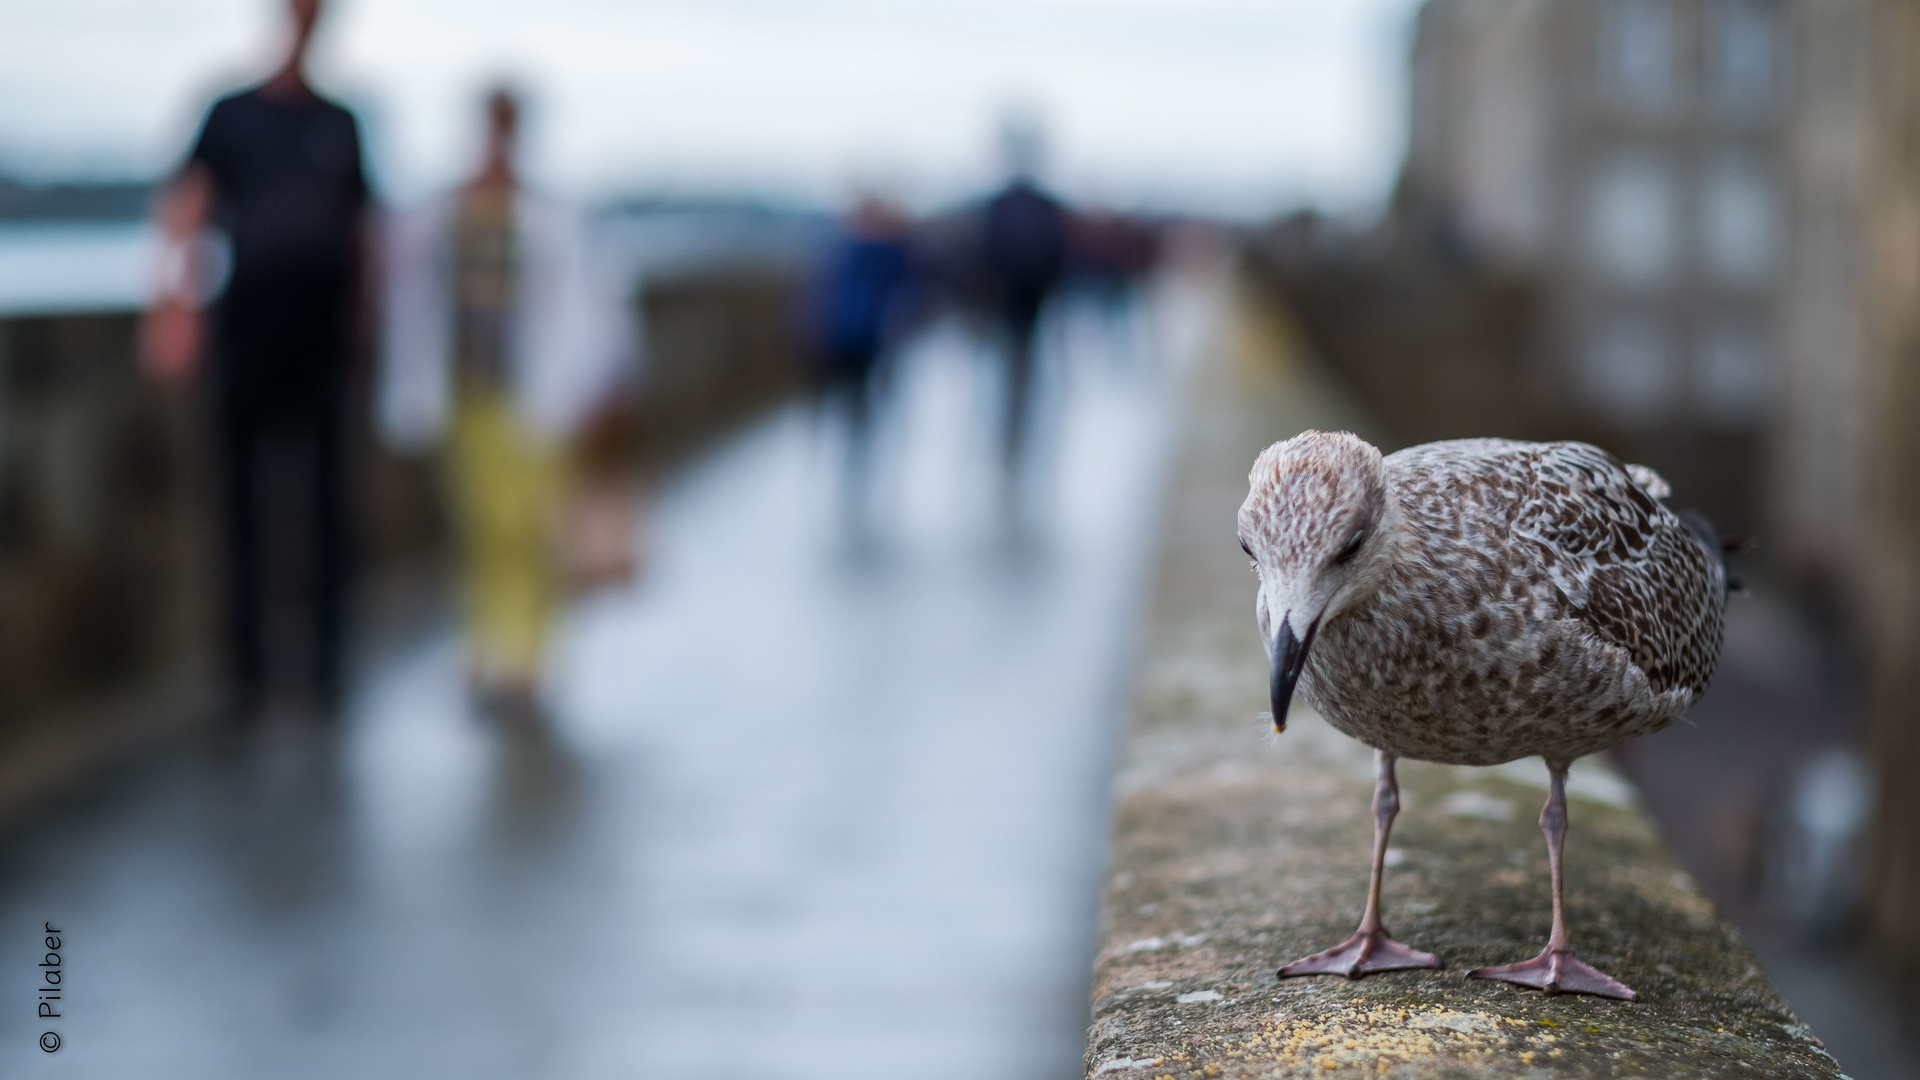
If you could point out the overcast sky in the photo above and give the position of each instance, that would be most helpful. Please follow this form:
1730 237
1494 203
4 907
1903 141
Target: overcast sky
1242 106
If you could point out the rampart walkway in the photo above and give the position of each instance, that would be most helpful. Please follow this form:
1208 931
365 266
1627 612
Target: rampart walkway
800 812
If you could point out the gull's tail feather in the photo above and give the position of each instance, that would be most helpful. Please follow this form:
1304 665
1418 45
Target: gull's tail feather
1718 547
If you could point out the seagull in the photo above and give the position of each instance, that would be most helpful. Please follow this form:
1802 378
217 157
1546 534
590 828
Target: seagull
1472 602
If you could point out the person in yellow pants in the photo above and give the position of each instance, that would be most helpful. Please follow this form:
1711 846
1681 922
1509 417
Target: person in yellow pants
502 342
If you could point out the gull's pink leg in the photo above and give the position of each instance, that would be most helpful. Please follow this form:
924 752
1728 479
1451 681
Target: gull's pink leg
1369 949
1555 970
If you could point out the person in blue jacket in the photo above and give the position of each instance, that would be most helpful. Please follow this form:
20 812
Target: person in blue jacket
865 292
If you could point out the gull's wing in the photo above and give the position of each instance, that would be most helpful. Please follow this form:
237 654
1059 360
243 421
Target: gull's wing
1631 571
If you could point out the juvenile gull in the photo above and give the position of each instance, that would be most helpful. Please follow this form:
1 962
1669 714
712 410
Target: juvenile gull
1473 602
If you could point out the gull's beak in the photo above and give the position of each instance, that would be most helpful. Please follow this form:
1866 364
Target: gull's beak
1289 659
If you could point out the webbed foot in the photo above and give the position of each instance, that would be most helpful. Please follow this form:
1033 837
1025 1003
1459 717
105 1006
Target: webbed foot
1366 952
1557 972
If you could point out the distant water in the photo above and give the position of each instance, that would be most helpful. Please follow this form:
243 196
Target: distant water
49 268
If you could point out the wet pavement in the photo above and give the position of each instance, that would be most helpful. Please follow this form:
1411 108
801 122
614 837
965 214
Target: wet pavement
804 806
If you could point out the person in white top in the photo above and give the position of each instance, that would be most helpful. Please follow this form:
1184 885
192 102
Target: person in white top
501 341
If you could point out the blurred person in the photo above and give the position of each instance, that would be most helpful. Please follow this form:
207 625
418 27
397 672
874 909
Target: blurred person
501 344
865 291
1024 252
278 168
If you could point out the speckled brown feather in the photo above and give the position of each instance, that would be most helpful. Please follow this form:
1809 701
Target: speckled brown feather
1530 598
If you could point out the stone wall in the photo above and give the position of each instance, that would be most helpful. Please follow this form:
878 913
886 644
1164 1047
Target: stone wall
96 579
721 344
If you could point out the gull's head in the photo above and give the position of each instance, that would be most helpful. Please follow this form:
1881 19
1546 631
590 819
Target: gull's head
1318 524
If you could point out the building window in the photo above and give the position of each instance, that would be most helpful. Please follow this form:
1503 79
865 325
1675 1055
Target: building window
1637 53
1742 56
1738 233
1626 370
1630 219
1733 374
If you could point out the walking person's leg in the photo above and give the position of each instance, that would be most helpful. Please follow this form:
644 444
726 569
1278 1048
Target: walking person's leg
331 573
1022 321
507 487
240 438
854 393
1019 391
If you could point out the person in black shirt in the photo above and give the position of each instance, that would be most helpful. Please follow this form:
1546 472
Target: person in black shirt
278 168
1024 251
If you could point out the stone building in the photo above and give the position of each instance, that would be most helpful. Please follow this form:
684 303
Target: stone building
1721 200
1628 154
1848 472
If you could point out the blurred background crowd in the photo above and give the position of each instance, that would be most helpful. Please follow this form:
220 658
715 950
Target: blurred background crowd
455 416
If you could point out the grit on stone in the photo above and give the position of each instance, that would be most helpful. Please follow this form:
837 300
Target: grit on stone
798 814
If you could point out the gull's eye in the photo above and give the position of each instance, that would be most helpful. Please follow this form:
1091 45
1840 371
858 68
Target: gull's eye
1354 544
1245 548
